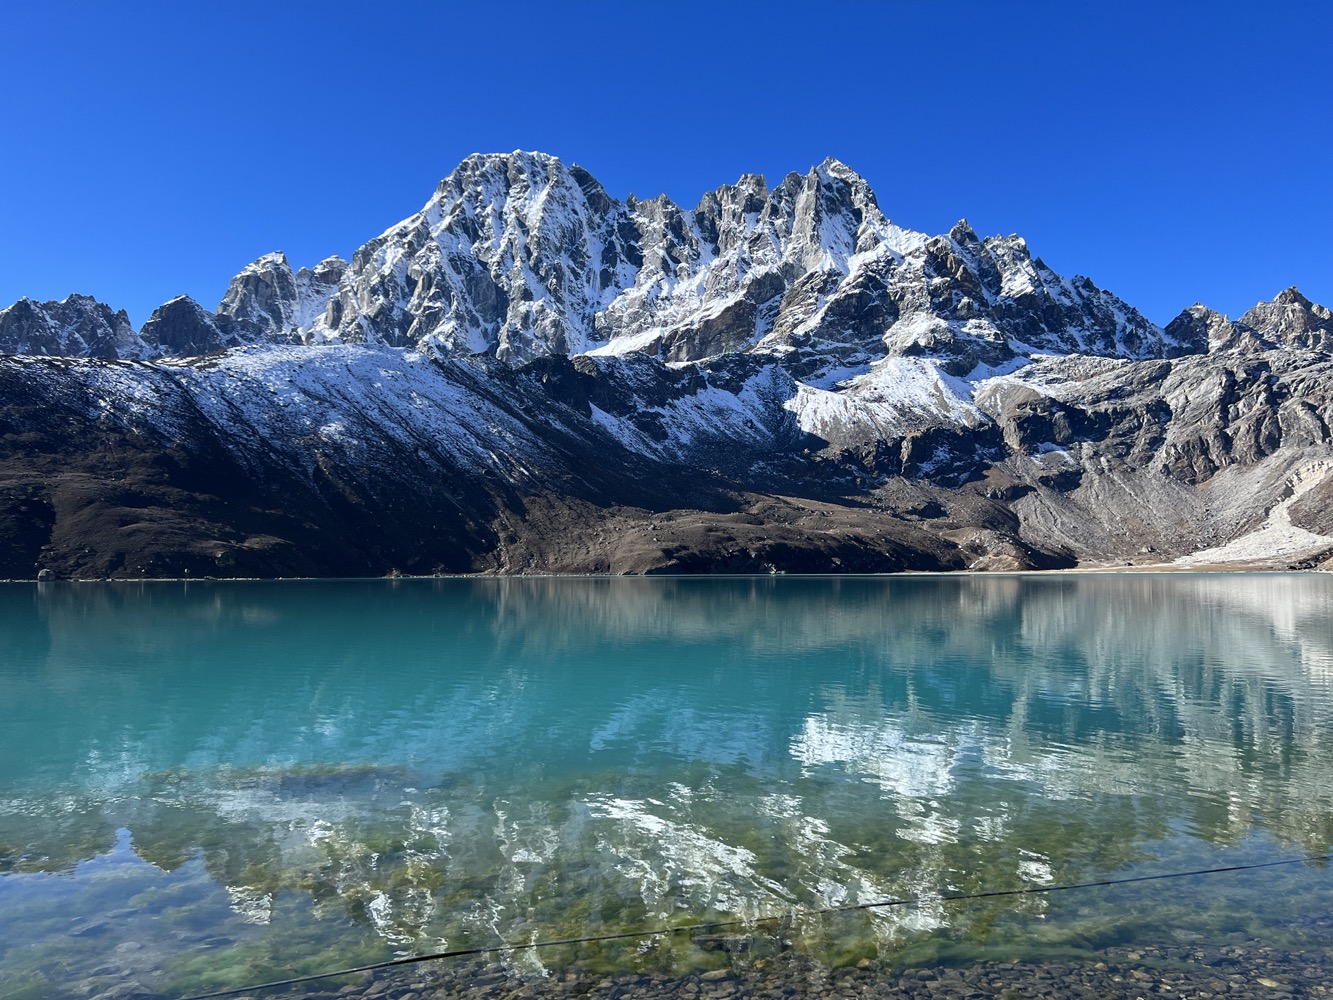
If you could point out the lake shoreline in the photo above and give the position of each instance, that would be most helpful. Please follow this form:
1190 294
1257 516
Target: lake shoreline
1098 569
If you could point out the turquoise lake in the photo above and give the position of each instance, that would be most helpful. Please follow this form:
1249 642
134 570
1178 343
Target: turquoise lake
205 785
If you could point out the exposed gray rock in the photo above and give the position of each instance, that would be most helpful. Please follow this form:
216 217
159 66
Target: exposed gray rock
1212 330
279 305
184 328
1292 320
1125 457
76 327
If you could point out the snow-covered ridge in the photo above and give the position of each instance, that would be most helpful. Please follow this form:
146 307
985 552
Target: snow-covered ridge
521 256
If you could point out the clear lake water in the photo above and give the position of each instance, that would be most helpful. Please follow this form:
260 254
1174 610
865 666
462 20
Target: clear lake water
210 784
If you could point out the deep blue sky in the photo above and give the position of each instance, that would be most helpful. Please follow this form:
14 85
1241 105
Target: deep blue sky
1172 151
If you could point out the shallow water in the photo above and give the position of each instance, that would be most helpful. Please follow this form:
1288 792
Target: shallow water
208 785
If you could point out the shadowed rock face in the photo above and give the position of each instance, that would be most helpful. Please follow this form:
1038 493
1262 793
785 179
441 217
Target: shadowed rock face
183 328
79 326
531 376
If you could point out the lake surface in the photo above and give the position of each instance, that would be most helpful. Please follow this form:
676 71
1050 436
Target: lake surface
206 785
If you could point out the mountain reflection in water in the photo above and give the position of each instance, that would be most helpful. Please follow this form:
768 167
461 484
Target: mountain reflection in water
419 764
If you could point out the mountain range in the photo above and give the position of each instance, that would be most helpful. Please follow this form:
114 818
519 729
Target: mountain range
531 376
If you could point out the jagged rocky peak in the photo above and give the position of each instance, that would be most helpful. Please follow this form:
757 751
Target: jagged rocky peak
262 293
500 260
802 264
1292 320
834 216
278 304
967 301
76 327
814 220
1212 331
963 234
184 328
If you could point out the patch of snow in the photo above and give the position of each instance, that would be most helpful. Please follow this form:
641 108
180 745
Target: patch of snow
895 396
983 372
627 344
836 376
1051 448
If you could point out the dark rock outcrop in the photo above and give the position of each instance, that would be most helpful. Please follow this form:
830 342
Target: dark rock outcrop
78 326
184 328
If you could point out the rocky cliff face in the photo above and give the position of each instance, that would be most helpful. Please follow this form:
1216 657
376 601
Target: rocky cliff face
1292 320
78 327
528 375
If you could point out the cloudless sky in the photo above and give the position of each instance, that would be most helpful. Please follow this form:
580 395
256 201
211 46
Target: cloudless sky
1172 151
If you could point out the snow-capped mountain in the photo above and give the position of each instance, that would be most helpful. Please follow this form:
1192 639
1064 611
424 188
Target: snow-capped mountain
519 256
529 374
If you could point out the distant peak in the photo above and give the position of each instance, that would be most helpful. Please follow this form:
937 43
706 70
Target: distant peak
1204 313
180 300
23 307
1291 297
963 233
524 161
269 260
831 167
334 263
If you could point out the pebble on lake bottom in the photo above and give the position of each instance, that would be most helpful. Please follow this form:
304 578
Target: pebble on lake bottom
1201 973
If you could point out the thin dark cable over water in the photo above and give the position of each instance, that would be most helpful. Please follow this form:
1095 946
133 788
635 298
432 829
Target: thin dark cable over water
754 922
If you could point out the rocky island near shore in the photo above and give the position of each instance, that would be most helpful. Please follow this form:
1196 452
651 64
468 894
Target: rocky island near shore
530 376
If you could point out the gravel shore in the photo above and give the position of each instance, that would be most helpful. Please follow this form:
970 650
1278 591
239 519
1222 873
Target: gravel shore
1232 972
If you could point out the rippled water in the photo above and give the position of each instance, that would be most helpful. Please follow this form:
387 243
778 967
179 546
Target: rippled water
206 785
